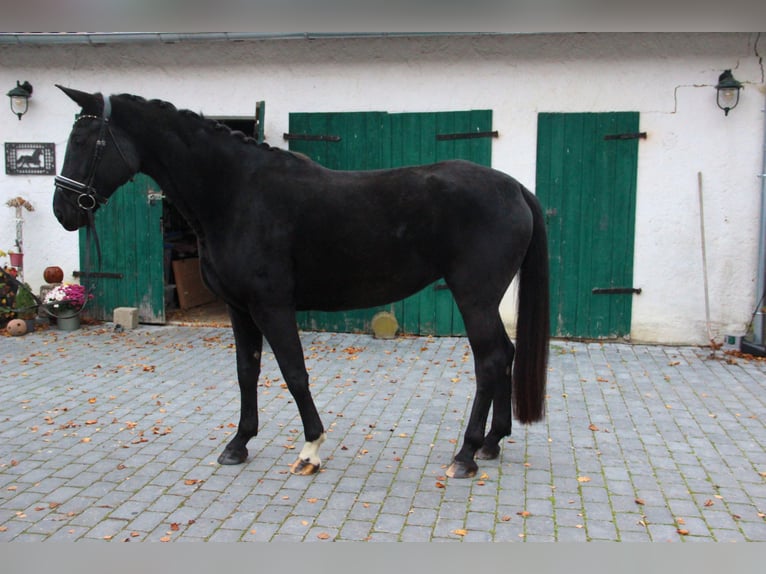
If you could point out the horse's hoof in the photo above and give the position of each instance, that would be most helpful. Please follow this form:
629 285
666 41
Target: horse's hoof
460 469
229 457
488 452
304 468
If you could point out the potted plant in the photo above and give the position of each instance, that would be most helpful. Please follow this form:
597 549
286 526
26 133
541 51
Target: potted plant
26 306
64 302
19 204
17 299
8 288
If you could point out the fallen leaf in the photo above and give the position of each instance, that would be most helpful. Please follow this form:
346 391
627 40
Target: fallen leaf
191 481
484 476
593 427
640 501
709 502
91 422
312 500
174 526
460 532
107 537
506 518
480 483
323 536
165 539
682 531
3 528
135 534
440 484
92 400
86 439
524 513
583 479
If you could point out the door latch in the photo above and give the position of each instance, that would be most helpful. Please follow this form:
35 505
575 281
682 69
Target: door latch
154 196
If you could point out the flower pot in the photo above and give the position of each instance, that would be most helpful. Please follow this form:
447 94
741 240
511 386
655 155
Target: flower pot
17 259
67 322
53 274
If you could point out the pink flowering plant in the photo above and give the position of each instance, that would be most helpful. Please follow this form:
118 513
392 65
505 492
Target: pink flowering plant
67 297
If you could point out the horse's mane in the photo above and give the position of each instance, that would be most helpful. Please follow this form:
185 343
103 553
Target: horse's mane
209 124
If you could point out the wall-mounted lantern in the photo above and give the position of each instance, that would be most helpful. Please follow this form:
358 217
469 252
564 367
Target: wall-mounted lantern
727 92
20 98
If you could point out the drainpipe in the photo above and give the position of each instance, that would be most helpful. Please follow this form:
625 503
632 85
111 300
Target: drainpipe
757 345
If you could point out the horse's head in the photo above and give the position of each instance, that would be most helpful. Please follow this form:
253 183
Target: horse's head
99 158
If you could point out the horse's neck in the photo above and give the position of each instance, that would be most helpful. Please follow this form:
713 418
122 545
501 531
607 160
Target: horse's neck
182 171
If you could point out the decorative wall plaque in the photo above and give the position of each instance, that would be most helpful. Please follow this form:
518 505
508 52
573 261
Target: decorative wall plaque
30 158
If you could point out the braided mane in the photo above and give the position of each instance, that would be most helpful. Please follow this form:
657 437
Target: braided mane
208 123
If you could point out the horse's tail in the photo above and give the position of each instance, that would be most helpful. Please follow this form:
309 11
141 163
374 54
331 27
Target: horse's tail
533 323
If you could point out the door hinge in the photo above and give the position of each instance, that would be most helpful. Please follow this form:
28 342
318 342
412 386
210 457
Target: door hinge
467 136
616 290
630 136
311 137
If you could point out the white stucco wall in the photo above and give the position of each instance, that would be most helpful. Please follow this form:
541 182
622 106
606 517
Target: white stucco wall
667 78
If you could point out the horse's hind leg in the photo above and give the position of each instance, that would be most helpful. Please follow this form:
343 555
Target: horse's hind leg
501 411
492 358
249 343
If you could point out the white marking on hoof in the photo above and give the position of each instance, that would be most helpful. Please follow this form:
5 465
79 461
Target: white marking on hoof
310 451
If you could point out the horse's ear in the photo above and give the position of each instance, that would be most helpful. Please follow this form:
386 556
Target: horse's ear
90 103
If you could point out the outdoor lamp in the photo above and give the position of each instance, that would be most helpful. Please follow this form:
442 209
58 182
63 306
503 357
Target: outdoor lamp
727 89
20 98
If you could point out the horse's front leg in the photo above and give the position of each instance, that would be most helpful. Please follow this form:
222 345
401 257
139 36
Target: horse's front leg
280 329
249 343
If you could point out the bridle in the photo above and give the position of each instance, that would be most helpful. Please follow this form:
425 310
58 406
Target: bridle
86 196
84 193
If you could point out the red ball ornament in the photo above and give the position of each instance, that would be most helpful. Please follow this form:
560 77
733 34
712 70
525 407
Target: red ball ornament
53 274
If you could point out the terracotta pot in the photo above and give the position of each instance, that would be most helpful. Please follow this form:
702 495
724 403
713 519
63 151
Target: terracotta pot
53 274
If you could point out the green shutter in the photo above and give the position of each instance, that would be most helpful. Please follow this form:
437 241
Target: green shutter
587 185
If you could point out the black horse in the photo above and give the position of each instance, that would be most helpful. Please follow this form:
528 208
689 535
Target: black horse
279 233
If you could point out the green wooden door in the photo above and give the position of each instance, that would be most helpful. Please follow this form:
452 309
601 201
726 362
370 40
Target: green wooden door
131 273
372 140
586 181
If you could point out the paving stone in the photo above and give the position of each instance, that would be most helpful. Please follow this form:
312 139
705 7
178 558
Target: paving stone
681 432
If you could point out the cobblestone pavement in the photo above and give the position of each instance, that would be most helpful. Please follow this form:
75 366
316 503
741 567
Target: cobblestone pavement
114 436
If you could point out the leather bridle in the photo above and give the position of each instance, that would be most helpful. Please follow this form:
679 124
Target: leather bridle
85 195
